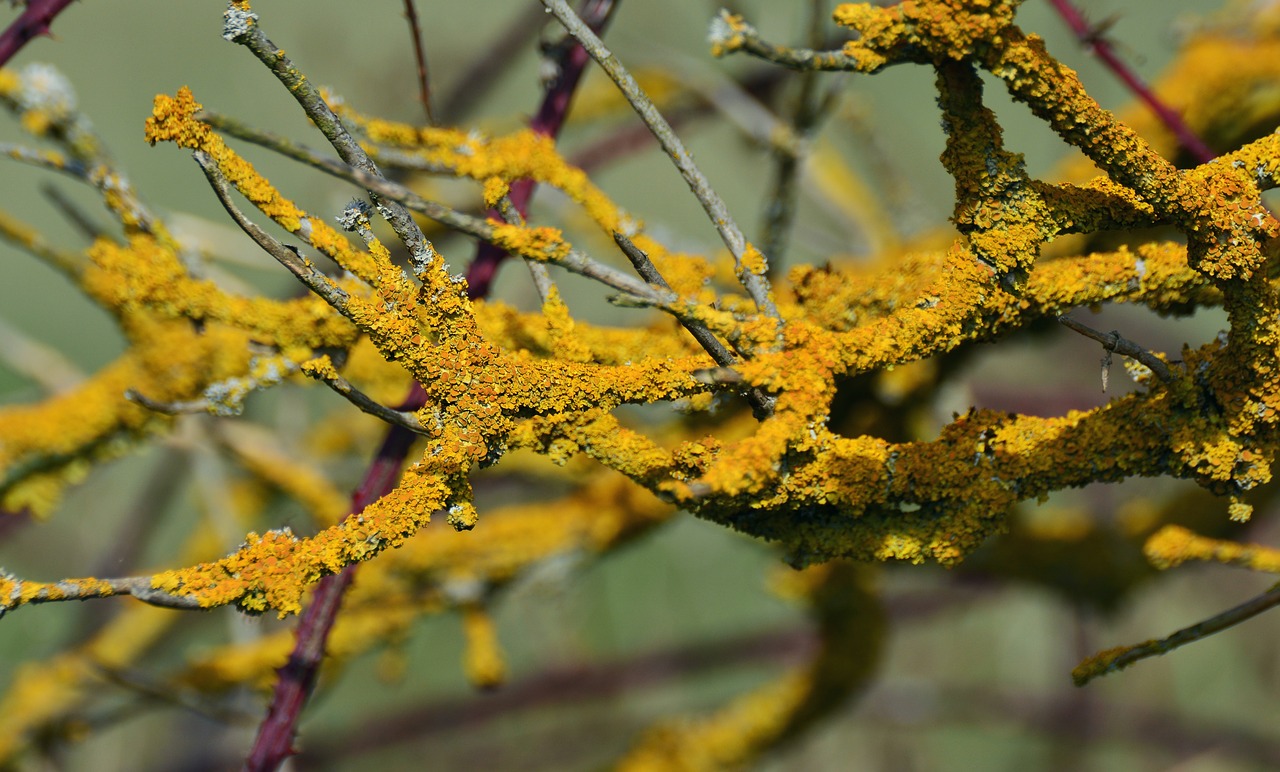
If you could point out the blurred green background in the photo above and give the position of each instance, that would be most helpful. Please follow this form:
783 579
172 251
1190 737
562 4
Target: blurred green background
976 675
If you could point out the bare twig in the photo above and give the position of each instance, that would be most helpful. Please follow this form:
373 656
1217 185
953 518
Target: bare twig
420 55
167 408
404 419
41 363
1114 343
729 33
74 214
1118 659
752 276
32 241
779 211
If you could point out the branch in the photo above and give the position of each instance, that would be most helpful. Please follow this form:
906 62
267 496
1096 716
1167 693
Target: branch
1091 38
274 742
242 28
33 22
1112 342
419 55
1113 660
729 33
307 273
751 265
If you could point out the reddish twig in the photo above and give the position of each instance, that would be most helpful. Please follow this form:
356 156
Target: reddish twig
419 53
1090 38
274 742
33 22
548 121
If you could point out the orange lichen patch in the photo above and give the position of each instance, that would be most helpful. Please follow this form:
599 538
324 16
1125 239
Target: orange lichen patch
523 154
173 120
1174 545
561 329
272 571
145 274
542 243
495 189
943 29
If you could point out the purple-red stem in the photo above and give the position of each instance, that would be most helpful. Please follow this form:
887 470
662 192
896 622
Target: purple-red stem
274 742
1103 49
33 22
420 54
548 122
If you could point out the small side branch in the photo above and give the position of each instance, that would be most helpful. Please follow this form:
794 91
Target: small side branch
21 592
752 276
1117 659
300 267
761 403
729 33
1114 343
330 378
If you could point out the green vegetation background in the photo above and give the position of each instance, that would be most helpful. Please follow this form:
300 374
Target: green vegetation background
975 676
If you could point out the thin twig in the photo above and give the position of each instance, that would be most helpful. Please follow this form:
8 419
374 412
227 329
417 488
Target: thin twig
779 211
1113 342
537 271
243 29
1103 49
311 276
72 589
187 407
33 22
729 33
78 218
569 63
44 364
420 55
27 238
297 677
752 276
404 419
761 403
1115 660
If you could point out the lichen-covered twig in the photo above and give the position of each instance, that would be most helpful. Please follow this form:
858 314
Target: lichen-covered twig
289 257
752 267
1102 48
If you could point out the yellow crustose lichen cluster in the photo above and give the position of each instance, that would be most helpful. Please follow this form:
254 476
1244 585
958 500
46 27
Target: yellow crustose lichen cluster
504 386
